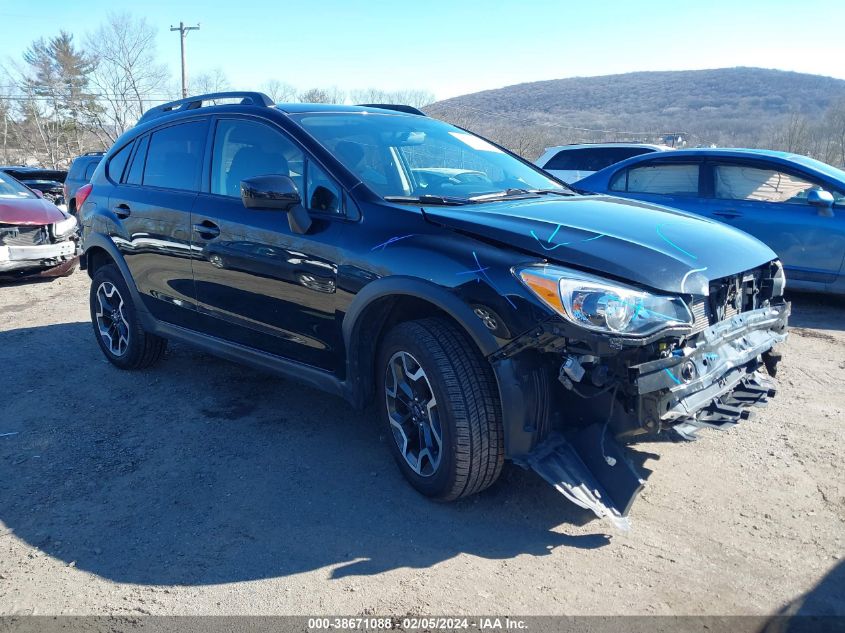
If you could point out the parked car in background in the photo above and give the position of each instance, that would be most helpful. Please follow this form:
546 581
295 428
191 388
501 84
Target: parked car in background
486 311
571 163
48 181
36 238
80 173
794 204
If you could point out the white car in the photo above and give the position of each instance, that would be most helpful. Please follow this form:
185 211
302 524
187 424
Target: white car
571 163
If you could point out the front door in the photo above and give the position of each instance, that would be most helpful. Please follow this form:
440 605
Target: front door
258 283
771 204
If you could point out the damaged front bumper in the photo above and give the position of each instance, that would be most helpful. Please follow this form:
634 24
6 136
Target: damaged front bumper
41 258
711 379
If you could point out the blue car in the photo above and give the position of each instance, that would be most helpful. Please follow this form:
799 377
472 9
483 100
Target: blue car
794 204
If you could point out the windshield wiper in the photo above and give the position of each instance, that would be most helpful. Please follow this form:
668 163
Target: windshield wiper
499 195
429 199
557 192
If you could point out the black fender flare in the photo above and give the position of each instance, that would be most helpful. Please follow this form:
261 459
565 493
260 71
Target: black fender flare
520 432
99 240
438 296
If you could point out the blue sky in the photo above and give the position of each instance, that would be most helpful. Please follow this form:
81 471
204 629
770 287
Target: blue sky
458 46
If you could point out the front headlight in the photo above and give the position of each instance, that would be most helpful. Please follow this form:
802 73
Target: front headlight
778 280
602 305
63 227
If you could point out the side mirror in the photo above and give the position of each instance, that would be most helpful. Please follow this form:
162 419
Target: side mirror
276 192
38 193
270 192
820 198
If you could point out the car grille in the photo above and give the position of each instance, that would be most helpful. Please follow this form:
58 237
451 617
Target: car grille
24 236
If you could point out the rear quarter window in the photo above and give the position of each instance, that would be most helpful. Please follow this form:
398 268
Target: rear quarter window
117 163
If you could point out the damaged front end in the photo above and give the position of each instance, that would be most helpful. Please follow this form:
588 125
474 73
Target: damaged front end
704 363
46 250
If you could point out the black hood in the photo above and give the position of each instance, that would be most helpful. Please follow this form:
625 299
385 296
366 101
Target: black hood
647 244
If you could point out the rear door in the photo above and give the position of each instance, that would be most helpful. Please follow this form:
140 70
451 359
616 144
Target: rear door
770 202
259 283
671 182
152 200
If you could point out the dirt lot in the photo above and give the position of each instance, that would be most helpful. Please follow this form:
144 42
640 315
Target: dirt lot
204 487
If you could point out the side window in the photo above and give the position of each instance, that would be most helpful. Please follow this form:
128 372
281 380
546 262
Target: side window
619 182
118 162
89 170
321 193
174 157
135 174
243 149
742 182
665 179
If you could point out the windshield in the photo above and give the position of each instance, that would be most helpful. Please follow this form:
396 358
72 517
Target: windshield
414 156
11 188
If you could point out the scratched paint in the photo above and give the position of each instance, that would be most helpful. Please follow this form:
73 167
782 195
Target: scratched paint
481 272
549 246
392 240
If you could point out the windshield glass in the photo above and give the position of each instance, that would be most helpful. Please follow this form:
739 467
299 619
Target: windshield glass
10 188
413 156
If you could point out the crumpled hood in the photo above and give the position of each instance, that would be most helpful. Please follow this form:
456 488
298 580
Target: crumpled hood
29 212
648 244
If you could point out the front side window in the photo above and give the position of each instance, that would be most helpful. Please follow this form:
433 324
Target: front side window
322 194
243 149
397 155
741 182
661 179
174 157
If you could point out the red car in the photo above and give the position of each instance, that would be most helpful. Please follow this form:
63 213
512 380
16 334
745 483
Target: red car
36 238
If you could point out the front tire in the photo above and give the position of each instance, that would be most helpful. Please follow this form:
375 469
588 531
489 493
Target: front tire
116 326
438 399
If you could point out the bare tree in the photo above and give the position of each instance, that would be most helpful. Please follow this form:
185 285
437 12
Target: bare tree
279 91
127 74
214 80
323 95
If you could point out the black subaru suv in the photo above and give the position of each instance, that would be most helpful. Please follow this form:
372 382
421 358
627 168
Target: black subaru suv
483 308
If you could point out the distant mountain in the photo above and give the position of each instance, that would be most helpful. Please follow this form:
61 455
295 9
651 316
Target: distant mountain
726 105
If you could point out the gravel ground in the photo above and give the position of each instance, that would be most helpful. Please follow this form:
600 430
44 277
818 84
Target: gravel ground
203 487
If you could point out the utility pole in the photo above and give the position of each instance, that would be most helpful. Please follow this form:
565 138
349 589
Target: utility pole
183 33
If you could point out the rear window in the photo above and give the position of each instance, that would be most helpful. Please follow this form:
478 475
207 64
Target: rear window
592 158
90 169
174 157
665 179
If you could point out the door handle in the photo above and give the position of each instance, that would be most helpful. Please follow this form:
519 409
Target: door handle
207 229
728 215
122 211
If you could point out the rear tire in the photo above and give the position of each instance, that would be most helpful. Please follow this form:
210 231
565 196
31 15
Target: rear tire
116 326
454 447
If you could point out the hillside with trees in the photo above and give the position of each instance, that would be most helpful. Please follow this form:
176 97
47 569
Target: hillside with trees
751 107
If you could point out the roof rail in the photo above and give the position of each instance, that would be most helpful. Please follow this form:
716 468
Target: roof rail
93 153
399 107
193 103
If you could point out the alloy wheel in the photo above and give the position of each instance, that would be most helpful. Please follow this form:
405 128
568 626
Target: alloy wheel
413 415
111 323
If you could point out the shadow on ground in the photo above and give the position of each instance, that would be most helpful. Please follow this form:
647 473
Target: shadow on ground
815 311
201 471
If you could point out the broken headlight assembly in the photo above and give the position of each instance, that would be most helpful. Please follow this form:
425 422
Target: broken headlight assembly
603 305
64 227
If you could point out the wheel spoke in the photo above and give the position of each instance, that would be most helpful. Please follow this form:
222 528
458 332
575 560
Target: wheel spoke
411 408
